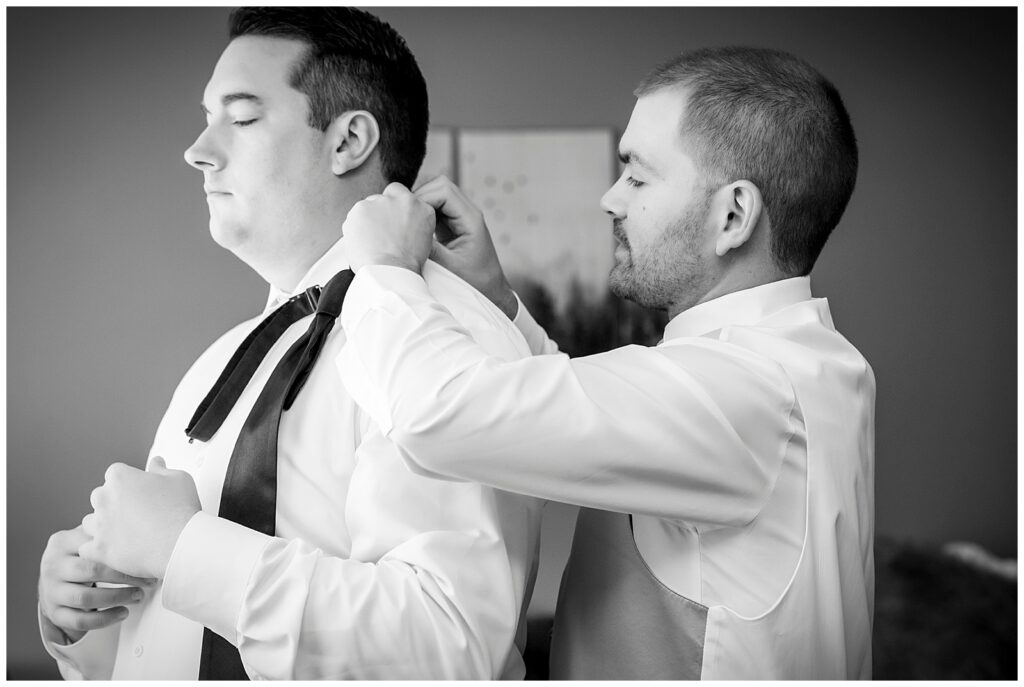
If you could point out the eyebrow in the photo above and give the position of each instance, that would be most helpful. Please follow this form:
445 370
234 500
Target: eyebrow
234 97
630 157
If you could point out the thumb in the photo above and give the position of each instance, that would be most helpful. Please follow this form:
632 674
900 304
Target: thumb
157 464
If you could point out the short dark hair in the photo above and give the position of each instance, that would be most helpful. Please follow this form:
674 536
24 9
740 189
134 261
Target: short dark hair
355 61
772 119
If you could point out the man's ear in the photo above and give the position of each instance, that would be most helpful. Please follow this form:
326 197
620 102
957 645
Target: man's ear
354 136
741 208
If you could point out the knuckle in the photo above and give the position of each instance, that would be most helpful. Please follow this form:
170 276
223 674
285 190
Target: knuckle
45 566
116 471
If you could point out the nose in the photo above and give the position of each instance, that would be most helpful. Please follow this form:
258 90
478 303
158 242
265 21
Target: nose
204 154
612 201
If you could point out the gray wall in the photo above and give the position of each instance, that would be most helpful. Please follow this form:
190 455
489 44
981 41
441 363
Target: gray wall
114 286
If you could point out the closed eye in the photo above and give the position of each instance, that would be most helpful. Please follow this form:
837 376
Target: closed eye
633 182
245 122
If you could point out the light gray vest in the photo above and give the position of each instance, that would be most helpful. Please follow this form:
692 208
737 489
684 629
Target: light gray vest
615 620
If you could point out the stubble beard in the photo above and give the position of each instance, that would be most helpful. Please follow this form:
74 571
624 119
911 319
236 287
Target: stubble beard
665 273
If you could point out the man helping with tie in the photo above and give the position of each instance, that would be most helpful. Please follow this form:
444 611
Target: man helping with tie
276 533
727 473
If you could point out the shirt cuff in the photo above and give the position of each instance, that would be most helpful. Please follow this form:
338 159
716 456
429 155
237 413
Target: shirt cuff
536 337
521 312
209 572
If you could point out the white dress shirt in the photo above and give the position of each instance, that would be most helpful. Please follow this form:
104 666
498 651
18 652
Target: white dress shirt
742 444
375 572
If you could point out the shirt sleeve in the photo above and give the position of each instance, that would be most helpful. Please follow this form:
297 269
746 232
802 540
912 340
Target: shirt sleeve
694 431
90 658
534 334
432 589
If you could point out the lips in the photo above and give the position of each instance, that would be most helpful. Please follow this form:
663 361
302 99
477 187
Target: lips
215 192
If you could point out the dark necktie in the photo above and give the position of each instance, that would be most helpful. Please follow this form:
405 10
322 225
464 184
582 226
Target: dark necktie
249 495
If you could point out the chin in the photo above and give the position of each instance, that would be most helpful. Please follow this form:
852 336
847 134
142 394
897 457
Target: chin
620 283
625 283
228 235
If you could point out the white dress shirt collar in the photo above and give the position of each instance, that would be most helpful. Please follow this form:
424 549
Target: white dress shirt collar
746 307
329 264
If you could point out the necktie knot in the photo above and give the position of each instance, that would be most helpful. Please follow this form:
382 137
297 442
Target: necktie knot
332 297
327 311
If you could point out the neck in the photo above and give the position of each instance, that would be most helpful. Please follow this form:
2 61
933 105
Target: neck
320 231
286 277
738 278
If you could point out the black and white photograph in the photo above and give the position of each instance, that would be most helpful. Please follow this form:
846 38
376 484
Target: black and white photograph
512 342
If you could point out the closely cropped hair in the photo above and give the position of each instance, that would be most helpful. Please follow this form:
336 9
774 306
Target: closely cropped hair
769 118
355 61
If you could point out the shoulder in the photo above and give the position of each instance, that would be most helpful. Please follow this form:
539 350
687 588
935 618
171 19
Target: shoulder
736 372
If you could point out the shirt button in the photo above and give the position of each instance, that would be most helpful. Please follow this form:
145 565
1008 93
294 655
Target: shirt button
137 651
199 460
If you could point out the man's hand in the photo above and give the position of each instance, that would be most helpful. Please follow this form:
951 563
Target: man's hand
138 517
395 228
470 254
68 595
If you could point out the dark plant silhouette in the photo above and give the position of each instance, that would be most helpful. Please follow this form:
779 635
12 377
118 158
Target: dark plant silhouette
585 326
